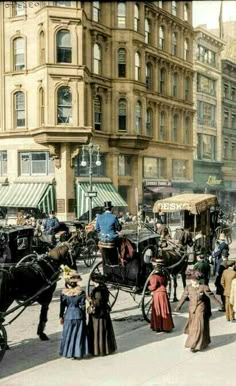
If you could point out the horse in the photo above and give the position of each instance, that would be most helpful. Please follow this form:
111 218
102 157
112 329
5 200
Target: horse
36 279
175 256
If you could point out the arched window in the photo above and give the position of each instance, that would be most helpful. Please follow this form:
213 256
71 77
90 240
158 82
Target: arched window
121 63
19 54
149 122
42 47
147 31
97 62
174 84
149 76
138 117
136 17
174 8
187 88
186 49
175 122
137 66
161 38
64 105
187 131
63 46
162 84
41 106
185 12
162 127
121 15
19 104
122 115
97 113
96 11
174 43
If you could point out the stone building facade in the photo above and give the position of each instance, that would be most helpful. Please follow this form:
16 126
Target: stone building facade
207 127
119 72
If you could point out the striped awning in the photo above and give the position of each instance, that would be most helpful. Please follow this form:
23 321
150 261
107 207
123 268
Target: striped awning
105 192
29 195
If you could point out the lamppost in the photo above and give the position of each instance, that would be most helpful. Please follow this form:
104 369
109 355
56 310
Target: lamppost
91 148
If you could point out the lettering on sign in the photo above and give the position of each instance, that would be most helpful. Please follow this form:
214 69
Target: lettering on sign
212 180
61 205
173 206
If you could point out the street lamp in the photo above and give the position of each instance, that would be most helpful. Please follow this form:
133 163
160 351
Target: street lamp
91 148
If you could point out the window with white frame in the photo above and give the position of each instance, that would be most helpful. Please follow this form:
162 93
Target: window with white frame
64 49
96 11
3 163
121 15
64 105
121 63
19 54
124 165
136 17
161 38
19 113
35 163
179 169
122 115
154 167
97 113
18 8
149 121
137 64
138 118
147 31
97 59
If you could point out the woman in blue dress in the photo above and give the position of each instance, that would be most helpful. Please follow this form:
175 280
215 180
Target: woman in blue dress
74 342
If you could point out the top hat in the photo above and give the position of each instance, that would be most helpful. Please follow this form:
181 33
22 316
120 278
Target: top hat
108 205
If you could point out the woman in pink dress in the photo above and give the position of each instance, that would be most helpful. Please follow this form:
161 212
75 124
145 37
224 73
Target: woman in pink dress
161 317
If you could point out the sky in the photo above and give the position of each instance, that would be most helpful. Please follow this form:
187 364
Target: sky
207 12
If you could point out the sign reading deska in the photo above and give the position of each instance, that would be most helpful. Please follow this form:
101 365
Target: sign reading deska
173 206
212 180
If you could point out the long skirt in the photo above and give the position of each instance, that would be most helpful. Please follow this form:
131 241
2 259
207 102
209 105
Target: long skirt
74 342
198 330
161 318
101 336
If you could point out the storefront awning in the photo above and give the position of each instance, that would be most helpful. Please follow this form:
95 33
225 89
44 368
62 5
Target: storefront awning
105 192
162 189
29 195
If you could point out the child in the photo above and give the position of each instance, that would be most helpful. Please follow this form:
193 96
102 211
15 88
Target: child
73 318
101 335
161 318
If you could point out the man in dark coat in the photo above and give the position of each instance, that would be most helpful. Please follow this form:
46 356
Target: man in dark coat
203 267
221 244
222 267
108 226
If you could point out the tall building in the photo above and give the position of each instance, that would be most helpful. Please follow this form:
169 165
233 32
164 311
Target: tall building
229 133
120 72
228 29
207 127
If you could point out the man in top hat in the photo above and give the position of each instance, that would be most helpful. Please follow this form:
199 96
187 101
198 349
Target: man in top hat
108 226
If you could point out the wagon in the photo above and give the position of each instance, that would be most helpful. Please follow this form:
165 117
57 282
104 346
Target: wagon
133 275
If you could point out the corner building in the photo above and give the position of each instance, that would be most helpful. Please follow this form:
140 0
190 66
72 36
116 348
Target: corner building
118 72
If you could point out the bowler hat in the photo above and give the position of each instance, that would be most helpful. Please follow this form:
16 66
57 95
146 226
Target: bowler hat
108 205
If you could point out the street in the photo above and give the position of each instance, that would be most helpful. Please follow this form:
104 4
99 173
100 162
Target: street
143 357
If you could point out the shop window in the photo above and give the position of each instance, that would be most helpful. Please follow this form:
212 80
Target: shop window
35 163
64 49
154 167
179 169
3 163
64 105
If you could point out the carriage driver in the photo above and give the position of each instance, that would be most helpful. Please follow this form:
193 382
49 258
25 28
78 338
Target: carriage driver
108 226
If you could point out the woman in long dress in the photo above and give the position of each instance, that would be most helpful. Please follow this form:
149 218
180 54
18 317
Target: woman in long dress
161 318
74 342
100 330
198 325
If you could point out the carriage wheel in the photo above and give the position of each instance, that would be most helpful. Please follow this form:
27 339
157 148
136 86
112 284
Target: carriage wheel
3 341
90 252
113 290
146 302
27 259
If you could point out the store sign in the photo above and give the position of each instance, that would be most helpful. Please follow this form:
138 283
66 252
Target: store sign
157 183
212 180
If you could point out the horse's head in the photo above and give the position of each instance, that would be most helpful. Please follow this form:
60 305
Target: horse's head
61 254
186 238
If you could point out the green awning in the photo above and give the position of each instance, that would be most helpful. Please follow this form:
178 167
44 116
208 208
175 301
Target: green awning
105 192
29 195
3 193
